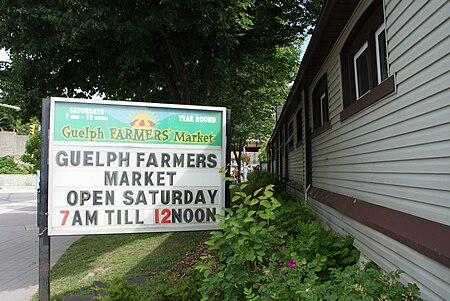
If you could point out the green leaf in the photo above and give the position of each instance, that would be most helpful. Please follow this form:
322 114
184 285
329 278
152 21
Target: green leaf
230 235
263 215
235 198
266 203
249 220
257 192
250 255
257 247
270 187
254 202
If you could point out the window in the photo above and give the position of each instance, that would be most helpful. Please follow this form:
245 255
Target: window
361 65
299 121
290 139
320 103
381 54
364 63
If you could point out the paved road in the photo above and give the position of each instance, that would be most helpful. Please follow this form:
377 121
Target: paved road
19 244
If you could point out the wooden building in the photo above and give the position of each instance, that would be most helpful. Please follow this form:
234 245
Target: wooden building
365 133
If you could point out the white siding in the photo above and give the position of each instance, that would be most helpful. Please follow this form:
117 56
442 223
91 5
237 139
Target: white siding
396 153
296 155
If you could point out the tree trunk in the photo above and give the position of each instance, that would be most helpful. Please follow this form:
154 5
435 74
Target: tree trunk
186 97
207 69
173 89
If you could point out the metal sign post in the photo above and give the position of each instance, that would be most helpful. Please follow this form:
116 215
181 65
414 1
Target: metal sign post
44 239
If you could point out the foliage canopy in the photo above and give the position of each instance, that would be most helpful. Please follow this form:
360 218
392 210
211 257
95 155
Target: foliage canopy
239 53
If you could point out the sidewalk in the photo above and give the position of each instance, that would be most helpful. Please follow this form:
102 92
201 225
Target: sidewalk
19 243
17 189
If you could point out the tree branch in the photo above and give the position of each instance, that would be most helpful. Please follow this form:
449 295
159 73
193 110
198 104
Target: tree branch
173 89
207 69
179 64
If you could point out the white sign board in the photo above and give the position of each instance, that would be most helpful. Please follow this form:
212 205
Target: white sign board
122 167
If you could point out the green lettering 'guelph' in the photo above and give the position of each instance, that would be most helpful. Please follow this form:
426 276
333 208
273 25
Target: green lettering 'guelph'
197 137
85 133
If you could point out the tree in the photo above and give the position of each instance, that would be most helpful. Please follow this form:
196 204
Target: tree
165 50
251 88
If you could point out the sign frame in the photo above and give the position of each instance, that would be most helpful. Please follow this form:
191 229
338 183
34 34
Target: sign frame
132 148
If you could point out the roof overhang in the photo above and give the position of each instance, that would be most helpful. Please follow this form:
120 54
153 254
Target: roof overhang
333 19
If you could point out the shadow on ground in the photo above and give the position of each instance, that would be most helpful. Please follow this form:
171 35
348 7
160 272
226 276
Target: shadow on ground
163 258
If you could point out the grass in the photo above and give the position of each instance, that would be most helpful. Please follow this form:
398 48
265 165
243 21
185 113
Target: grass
101 257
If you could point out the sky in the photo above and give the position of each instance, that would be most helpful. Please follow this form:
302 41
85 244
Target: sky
304 46
3 55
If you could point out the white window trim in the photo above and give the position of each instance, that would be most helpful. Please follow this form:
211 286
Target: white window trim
290 137
355 57
322 121
377 50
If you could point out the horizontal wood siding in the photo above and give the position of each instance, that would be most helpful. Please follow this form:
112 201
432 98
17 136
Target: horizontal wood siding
296 155
396 153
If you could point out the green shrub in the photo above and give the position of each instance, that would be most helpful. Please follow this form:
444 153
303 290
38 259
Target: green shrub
273 249
312 240
118 290
160 288
32 153
352 283
246 246
256 180
291 216
9 166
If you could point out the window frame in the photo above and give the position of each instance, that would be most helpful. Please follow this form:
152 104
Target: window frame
357 55
299 123
380 29
363 31
290 134
321 113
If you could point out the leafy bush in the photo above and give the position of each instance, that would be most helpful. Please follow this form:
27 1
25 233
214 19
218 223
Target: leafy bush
9 166
246 246
291 216
271 248
257 262
160 288
312 241
32 153
353 283
256 180
118 290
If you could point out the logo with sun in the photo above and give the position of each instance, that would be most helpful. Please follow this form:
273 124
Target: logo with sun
144 121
